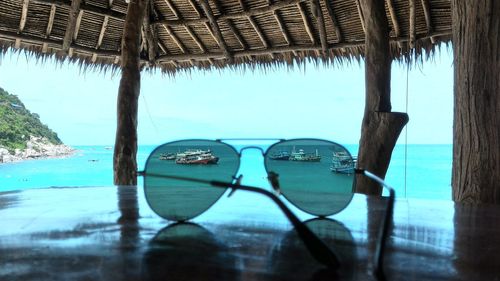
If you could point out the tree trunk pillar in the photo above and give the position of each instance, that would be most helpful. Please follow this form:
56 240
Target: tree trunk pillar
476 124
124 159
380 128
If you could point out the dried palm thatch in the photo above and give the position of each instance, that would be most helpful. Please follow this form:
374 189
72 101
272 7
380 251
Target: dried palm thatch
206 34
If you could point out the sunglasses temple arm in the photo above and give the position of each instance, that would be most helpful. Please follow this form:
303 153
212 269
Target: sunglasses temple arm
316 247
386 225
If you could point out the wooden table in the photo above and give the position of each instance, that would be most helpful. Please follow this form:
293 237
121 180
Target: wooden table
109 233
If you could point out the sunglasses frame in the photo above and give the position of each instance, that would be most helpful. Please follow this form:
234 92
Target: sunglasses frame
316 246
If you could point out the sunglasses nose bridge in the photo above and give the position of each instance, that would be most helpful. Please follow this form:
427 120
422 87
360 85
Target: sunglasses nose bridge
252 147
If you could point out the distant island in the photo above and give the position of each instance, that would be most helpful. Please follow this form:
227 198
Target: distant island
22 134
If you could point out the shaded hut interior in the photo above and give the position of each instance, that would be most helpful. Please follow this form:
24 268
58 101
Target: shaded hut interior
446 241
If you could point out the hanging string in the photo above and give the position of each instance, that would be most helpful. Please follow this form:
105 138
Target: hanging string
406 127
150 117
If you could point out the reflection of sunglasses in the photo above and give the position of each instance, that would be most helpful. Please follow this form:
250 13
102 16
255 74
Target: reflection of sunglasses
316 176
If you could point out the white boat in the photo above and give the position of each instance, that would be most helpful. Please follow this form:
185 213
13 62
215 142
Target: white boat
304 157
342 163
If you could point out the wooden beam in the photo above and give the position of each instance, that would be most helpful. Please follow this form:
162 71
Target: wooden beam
172 8
412 16
334 20
237 35
57 43
216 29
125 152
394 19
14 36
207 26
24 15
83 7
102 32
150 34
50 24
70 27
244 14
333 46
77 26
48 30
259 32
428 18
175 39
195 8
321 26
305 20
361 16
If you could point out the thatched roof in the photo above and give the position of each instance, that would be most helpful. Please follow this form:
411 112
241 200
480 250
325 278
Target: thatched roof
186 34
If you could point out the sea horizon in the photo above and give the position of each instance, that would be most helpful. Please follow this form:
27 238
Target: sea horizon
423 172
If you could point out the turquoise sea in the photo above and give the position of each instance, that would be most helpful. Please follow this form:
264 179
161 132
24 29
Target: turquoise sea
424 171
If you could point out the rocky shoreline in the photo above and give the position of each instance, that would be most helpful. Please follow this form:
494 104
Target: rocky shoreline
36 148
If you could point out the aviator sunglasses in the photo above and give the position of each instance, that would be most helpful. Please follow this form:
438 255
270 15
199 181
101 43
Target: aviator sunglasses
183 179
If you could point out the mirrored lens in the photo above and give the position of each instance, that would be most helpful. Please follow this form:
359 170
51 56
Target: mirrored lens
317 176
181 200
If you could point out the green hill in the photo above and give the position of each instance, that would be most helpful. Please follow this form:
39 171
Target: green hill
17 124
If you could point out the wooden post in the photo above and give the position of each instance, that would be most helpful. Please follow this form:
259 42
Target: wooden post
124 159
381 127
476 124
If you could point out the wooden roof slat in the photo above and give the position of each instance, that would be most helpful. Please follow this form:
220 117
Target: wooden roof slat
428 19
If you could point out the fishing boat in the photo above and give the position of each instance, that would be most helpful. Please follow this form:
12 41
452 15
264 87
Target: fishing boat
281 155
203 159
342 163
304 157
187 153
168 156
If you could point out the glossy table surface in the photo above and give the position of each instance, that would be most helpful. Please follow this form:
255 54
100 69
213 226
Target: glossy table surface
110 233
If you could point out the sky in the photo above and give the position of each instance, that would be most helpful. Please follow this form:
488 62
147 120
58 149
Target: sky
311 101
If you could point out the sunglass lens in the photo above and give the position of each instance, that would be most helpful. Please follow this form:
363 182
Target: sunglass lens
317 176
181 200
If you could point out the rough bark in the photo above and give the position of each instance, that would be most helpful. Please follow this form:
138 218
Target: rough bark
476 124
124 159
380 132
381 127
